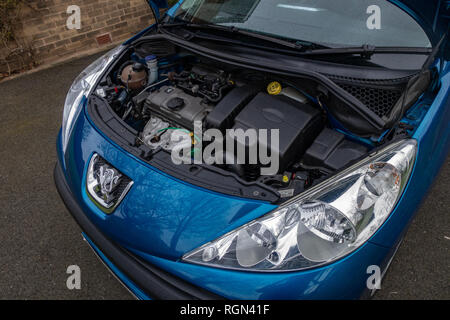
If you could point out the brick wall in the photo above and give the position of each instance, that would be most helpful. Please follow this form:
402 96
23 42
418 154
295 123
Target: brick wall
42 27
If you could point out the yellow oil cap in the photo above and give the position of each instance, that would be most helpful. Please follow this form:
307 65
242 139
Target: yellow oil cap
274 88
285 179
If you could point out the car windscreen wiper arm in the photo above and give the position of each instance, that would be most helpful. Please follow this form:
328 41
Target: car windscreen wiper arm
366 51
188 35
294 45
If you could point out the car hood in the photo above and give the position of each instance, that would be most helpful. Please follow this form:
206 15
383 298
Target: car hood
156 5
432 15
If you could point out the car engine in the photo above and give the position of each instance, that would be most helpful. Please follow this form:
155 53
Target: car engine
163 97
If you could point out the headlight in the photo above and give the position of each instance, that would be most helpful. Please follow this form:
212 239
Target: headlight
321 225
82 87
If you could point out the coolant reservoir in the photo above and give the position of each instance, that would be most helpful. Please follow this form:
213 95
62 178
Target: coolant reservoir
134 76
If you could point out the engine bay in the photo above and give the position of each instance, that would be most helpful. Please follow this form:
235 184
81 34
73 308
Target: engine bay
162 91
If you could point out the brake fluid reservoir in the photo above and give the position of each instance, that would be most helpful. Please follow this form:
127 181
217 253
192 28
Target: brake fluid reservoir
152 65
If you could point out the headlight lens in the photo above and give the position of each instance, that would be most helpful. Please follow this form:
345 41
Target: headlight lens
321 225
82 87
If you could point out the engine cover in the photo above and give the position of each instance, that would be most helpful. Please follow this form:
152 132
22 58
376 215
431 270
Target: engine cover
298 124
174 104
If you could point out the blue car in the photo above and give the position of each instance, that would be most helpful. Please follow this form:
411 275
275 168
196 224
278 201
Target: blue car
166 162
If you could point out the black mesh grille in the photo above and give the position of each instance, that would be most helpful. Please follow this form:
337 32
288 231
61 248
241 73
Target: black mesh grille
376 82
379 101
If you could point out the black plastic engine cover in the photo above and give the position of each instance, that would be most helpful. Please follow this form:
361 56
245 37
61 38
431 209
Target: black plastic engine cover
332 151
298 124
222 115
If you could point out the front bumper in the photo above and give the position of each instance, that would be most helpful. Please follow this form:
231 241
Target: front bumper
143 279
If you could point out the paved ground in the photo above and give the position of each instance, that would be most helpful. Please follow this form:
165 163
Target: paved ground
39 240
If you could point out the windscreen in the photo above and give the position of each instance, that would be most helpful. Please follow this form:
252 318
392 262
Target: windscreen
337 23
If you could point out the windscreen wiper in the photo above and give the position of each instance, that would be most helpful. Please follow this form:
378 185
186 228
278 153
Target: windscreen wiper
293 45
367 51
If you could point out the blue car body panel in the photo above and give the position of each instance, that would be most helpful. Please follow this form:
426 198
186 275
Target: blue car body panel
162 218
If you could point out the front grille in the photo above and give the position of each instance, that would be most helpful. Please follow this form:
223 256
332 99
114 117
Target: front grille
379 100
124 180
106 185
